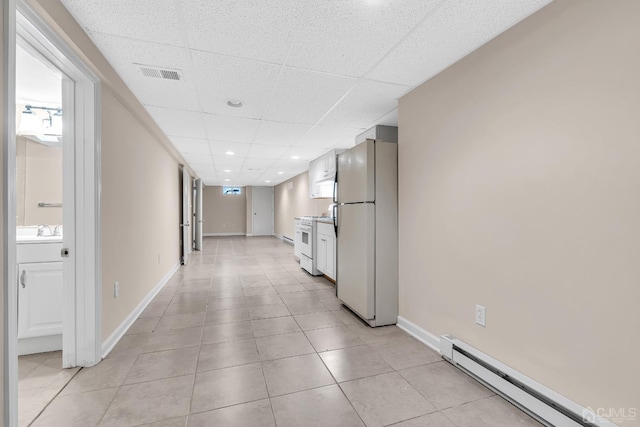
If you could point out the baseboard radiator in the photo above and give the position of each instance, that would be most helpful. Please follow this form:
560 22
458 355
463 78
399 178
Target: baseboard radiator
545 405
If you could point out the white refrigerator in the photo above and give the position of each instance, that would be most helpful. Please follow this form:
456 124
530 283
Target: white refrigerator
367 231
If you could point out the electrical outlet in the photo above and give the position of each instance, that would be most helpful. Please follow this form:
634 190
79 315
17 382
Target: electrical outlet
116 289
481 315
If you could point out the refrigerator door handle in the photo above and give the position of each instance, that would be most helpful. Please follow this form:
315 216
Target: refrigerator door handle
335 186
335 220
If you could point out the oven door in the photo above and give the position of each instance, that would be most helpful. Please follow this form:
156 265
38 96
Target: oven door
306 241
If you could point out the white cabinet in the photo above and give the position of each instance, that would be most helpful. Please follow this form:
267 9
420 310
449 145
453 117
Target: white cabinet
39 299
322 172
326 249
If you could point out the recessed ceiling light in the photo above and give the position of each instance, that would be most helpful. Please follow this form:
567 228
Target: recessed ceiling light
268 181
227 180
280 173
295 157
229 153
227 170
235 103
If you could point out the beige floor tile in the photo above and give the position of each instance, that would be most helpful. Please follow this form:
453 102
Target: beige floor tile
435 419
286 345
332 304
284 280
295 374
354 362
444 385
268 311
228 292
180 321
227 332
149 402
326 293
274 326
316 285
405 352
318 407
333 338
163 364
25 366
154 310
143 325
173 422
262 290
259 300
226 316
227 354
32 402
106 374
252 414
129 345
186 307
228 386
347 317
305 306
225 303
490 412
48 375
301 296
323 319
200 289
169 340
282 289
384 333
76 410
385 399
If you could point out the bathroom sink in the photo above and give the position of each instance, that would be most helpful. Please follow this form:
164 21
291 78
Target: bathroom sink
29 234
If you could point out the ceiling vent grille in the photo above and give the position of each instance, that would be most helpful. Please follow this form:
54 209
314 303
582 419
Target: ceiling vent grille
159 73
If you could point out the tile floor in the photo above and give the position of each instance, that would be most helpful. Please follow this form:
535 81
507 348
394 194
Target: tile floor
244 337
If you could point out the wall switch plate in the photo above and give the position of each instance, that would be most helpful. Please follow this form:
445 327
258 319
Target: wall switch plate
116 289
481 315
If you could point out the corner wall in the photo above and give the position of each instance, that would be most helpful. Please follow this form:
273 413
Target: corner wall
519 186
223 213
291 199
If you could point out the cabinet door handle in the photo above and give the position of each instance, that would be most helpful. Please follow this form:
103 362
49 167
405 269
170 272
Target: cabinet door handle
23 278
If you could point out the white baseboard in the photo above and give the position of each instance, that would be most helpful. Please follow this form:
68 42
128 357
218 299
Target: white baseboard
222 234
113 339
432 341
39 344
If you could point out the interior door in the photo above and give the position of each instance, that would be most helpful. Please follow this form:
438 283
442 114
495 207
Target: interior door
198 216
356 252
186 241
262 211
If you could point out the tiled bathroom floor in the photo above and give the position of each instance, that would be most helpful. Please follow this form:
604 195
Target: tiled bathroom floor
243 337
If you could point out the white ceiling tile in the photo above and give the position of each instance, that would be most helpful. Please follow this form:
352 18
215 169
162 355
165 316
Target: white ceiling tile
232 163
278 133
191 145
123 53
453 31
226 128
220 148
200 159
304 154
367 102
389 119
288 164
256 165
150 20
305 96
251 29
221 78
259 151
175 122
328 136
350 37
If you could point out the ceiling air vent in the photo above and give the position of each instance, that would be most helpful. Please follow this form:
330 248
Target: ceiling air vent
159 73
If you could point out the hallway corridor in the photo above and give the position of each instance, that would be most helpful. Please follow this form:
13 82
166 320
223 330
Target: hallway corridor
243 337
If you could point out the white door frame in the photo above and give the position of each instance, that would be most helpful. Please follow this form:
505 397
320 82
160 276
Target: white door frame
82 296
186 235
197 220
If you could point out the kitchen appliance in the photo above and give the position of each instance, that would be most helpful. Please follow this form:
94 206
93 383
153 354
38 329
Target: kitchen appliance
367 230
304 244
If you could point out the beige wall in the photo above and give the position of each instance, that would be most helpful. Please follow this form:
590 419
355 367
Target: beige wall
2 231
519 186
38 179
223 213
291 199
140 182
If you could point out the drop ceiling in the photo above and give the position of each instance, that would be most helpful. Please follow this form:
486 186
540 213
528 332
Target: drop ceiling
312 74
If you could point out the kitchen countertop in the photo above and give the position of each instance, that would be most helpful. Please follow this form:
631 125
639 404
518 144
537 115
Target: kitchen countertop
326 220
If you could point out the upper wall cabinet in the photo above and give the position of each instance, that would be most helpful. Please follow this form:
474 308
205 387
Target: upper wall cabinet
322 172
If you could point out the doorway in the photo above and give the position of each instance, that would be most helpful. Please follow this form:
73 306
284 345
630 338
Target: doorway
262 211
70 279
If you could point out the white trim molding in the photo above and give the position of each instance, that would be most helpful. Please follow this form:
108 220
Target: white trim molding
115 337
430 340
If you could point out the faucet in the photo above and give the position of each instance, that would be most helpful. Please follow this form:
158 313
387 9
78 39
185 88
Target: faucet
57 230
41 229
